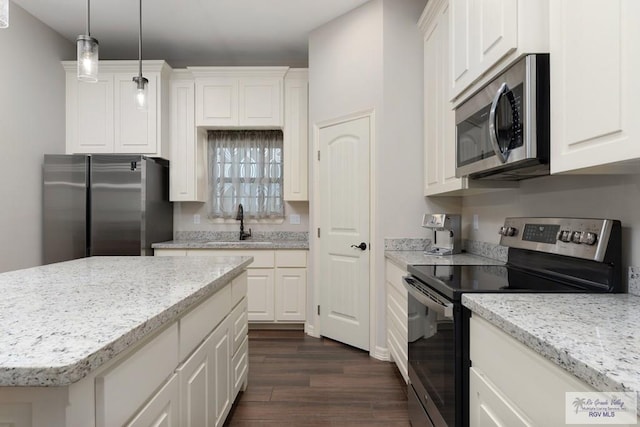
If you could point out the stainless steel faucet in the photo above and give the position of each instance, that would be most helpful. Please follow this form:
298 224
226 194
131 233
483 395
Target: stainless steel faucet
240 217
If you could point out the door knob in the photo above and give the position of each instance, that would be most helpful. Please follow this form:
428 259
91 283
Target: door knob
362 246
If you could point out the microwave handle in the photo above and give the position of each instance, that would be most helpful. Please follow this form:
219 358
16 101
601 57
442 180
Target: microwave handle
493 129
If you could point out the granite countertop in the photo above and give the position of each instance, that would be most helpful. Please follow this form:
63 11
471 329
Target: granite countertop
232 244
404 258
593 336
64 320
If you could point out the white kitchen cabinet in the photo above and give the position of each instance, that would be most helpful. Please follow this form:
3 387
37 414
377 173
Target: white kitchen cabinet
291 294
277 281
487 35
188 177
296 135
239 97
439 118
102 117
397 317
536 398
163 408
261 291
594 125
222 372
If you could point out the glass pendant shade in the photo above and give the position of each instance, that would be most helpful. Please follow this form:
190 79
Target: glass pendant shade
87 59
141 95
4 13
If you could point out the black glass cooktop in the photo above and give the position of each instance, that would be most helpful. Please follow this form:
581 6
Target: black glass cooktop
453 280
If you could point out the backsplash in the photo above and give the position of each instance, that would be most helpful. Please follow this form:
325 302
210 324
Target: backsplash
259 236
486 249
634 281
406 244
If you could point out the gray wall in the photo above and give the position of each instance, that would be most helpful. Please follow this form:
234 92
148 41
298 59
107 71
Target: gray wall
32 122
371 58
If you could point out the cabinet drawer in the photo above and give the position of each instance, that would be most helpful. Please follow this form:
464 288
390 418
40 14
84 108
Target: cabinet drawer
240 366
261 258
394 276
140 375
239 288
291 258
239 324
196 324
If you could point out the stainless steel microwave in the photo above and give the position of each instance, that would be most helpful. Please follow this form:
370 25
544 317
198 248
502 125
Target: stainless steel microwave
502 131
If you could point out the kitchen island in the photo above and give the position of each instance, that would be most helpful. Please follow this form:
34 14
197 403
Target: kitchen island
108 340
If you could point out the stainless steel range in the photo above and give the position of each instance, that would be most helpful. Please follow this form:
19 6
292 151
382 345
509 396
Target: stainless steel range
545 255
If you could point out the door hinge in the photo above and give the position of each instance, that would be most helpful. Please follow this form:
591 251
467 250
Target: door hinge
318 155
318 309
318 231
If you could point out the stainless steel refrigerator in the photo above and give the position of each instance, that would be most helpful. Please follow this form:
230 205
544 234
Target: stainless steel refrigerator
104 205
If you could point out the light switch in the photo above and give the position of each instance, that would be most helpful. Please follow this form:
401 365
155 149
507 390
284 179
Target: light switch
476 224
294 219
196 219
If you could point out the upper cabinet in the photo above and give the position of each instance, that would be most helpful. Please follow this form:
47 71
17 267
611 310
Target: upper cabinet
102 117
594 58
296 135
488 33
188 174
239 97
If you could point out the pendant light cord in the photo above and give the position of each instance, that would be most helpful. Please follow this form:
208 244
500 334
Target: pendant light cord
140 42
88 18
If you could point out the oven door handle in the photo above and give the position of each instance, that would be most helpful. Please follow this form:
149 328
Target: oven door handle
429 299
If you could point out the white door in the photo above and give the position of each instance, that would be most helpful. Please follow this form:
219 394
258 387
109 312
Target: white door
344 224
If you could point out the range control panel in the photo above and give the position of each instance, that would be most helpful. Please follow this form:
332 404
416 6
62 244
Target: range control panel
577 237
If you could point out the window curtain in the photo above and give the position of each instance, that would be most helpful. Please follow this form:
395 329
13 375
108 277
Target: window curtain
245 167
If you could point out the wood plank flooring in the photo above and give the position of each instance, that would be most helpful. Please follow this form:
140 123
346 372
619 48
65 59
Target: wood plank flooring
297 380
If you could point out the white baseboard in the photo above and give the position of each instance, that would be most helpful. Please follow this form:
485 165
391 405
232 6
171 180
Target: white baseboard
309 329
380 353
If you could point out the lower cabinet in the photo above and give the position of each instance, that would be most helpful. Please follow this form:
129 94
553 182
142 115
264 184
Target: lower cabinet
201 390
397 317
511 385
277 281
163 408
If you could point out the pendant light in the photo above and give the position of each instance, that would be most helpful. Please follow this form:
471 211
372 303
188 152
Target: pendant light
87 53
4 13
140 81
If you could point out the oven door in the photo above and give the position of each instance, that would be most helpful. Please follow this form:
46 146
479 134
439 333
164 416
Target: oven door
432 356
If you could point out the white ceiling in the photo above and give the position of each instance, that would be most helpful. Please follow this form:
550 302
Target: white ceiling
196 32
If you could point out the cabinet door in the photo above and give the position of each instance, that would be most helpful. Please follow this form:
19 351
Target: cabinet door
217 101
260 102
90 115
221 380
195 387
482 33
135 130
260 294
489 408
296 136
291 294
439 120
593 109
188 146
162 410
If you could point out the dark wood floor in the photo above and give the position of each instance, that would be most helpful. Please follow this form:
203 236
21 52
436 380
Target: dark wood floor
296 380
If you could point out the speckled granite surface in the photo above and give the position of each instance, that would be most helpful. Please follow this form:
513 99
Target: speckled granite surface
593 336
229 240
404 258
406 244
62 321
634 281
489 250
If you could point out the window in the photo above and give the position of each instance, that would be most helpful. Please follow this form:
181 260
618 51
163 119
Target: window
245 167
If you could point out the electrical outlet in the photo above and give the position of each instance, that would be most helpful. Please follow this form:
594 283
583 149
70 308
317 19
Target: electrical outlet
294 219
196 219
476 225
